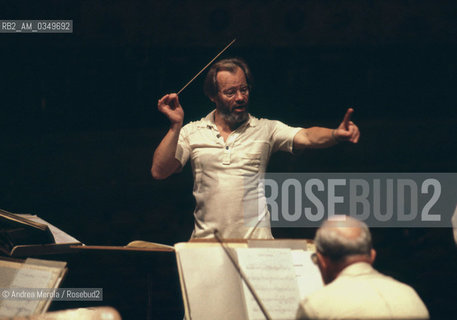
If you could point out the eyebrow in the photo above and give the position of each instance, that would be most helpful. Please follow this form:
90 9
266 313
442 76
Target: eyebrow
236 87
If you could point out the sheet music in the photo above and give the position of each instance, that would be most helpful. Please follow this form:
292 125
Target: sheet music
8 270
272 275
212 284
28 276
60 236
25 278
294 244
307 273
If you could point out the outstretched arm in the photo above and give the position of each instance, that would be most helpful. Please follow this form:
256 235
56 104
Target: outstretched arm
164 162
318 137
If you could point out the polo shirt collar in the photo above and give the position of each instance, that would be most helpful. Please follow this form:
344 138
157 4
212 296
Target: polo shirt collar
357 269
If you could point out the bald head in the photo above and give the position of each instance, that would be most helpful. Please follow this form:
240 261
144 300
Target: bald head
343 236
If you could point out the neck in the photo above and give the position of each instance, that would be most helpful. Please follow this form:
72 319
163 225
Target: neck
337 267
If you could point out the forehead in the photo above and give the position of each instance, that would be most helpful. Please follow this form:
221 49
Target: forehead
227 79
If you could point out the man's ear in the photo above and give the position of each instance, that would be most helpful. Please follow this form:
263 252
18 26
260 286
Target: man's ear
325 267
372 255
322 261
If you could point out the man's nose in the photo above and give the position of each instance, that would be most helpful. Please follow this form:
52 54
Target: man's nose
239 96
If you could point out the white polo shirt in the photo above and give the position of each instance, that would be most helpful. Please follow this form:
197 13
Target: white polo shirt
226 174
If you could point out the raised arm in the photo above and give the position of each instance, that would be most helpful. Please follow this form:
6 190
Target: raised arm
164 162
318 137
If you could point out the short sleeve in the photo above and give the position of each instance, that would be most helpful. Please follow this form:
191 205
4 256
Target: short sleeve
283 136
183 148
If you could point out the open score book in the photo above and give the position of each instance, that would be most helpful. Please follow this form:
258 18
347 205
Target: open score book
213 289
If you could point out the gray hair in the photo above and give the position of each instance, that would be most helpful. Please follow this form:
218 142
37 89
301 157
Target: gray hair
211 87
343 237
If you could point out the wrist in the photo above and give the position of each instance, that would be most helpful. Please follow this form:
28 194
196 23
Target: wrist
176 125
335 138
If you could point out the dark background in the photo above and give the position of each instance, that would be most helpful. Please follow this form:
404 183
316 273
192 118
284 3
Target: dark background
79 122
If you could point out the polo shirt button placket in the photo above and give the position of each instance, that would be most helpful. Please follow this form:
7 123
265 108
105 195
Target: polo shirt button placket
226 160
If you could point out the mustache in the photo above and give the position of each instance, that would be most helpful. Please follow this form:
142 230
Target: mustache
244 105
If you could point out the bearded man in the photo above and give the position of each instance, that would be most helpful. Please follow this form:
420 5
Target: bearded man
229 150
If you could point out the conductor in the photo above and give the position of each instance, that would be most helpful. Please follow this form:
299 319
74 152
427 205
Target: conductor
229 150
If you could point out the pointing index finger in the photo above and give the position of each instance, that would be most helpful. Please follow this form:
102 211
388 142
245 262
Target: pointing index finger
347 118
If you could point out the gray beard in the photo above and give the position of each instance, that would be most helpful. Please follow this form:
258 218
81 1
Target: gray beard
233 119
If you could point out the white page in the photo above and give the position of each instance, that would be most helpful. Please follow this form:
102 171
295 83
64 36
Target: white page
307 273
271 273
27 277
212 284
60 236
294 244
